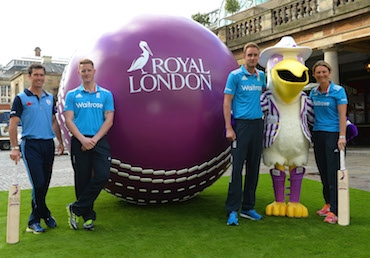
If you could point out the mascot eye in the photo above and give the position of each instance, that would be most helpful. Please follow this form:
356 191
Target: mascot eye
287 75
276 58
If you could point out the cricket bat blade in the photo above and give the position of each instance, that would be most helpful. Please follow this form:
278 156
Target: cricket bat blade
343 194
14 201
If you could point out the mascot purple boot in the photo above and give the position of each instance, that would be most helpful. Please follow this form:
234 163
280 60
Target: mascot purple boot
288 111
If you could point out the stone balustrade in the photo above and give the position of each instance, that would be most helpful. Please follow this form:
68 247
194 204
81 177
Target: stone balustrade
267 19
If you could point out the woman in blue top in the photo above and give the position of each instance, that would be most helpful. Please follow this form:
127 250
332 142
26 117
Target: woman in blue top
330 106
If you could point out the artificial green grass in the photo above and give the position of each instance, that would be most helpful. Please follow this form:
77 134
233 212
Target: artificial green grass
195 228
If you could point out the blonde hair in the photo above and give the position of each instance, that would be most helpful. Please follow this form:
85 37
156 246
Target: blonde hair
250 44
86 61
321 63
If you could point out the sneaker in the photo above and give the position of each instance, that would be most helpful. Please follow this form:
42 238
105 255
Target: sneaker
233 219
72 217
331 218
251 214
324 211
89 224
35 228
50 222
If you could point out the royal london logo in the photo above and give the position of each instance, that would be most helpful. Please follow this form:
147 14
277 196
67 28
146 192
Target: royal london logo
172 73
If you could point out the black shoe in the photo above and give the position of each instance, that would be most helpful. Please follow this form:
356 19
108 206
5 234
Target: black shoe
50 222
72 217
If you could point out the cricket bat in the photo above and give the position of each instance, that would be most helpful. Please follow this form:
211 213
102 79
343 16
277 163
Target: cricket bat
343 193
14 203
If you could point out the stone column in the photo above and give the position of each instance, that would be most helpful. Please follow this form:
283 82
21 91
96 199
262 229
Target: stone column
222 34
331 57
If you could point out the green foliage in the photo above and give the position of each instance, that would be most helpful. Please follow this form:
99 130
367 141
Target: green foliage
195 228
202 18
232 6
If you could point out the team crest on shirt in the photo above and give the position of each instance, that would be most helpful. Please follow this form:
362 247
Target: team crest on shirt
98 95
48 101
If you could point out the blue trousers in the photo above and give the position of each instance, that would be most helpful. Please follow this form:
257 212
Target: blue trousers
91 173
248 149
38 156
327 160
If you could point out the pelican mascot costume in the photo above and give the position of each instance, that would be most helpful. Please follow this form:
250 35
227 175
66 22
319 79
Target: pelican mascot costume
288 112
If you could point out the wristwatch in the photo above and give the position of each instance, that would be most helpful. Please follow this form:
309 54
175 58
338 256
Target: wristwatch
15 148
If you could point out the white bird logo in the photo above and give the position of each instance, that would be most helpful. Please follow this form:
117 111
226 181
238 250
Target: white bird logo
140 62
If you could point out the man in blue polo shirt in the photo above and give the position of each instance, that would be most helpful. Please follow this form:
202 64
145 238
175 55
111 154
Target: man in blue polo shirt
35 108
89 112
242 99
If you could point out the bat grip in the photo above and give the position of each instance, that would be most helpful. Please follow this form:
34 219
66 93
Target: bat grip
342 160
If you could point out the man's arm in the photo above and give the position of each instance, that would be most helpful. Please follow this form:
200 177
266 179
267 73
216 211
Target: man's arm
87 143
108 122
230 134
56 130
13 135
69 116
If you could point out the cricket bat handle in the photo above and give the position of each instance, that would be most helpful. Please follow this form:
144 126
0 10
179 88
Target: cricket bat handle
342 161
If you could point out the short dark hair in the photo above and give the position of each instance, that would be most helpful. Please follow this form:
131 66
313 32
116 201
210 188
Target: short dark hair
35 66
250 44
87 61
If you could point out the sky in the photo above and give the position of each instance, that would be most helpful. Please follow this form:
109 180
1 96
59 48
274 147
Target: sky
59 26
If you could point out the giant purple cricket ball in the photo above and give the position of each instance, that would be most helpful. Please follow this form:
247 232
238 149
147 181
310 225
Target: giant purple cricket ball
167 75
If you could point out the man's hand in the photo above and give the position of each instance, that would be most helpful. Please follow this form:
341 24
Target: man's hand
15 155
87 144
230 134
60 148
342 143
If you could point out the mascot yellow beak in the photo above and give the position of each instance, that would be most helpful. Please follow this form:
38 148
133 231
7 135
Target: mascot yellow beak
289 77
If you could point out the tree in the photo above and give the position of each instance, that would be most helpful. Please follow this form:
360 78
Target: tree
232 6
202 18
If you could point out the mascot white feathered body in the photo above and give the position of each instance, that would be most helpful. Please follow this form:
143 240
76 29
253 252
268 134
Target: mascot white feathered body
288 111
